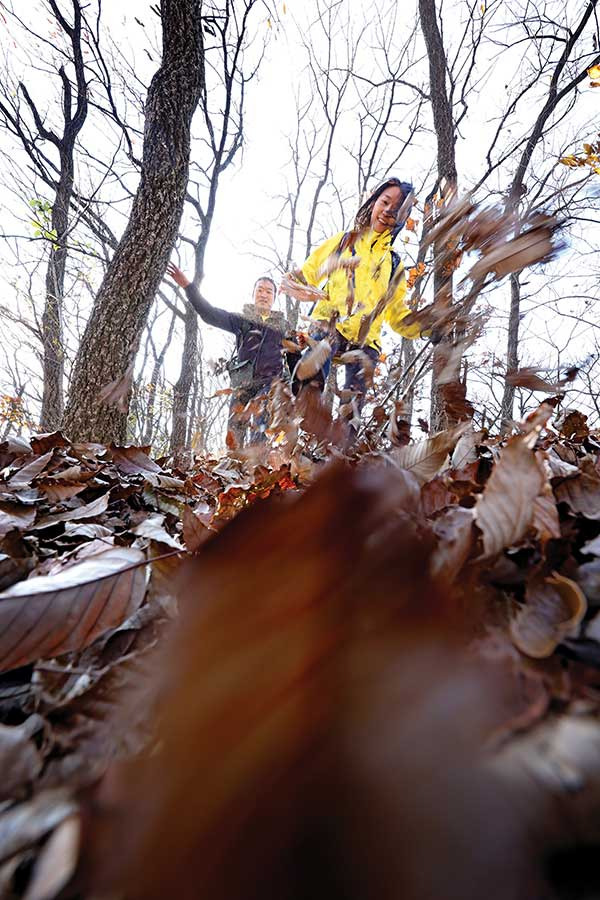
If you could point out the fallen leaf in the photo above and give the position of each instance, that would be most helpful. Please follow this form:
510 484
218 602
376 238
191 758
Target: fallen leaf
553 610
582 494
24 825
195 532
592 547
505 509
87 511
57 861
545 519
133 460
152 528
41 443
49 615
573 424
65 484
20 760
425 458
24 476
15 515
456 538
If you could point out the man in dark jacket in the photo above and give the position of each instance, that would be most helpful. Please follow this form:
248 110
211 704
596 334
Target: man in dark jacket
258 359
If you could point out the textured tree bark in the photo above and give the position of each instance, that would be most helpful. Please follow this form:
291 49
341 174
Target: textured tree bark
52 329
154 377
443 122
125 296
183 385
512 353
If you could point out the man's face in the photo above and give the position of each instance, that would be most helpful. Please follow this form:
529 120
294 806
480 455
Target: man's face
264 296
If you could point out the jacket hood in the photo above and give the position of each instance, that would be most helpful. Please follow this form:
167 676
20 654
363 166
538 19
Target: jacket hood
275 319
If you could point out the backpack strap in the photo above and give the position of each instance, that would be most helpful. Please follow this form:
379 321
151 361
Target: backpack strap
395 262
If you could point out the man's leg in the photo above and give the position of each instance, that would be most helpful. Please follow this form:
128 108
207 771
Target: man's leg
259 419
237 424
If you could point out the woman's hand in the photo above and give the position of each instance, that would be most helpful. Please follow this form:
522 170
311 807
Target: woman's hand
177 275
304 293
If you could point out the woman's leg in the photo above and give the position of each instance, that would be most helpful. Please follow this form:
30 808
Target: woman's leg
359 373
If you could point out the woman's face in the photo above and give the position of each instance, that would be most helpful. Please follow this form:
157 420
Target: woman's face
385 210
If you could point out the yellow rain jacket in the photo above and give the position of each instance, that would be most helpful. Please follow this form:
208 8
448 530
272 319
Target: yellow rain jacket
372 277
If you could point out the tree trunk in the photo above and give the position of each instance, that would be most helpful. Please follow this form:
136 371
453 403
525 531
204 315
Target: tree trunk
181 392
408 356
154 377
52 330
512 358
116 324
443 121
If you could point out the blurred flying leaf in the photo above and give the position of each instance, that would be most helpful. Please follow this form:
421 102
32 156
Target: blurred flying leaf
116 393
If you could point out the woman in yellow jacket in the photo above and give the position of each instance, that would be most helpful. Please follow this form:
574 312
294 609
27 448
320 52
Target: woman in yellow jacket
367 286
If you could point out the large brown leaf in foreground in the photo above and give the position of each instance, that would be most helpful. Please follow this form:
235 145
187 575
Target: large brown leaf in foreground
52 614
319 729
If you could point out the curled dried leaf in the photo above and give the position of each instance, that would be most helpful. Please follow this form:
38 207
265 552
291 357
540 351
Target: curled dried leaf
553 610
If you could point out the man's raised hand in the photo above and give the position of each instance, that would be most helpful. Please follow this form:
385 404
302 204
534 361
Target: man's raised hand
177 275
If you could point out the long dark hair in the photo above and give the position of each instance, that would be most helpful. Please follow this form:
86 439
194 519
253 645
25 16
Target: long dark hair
363 216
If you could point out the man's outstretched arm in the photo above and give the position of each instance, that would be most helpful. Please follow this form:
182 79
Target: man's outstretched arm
212 315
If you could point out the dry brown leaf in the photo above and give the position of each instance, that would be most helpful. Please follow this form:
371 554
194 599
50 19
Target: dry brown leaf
456 538
465 451
582 494
531 246
41 443
57 861
195 532
530 378
20 760
425 458
573 424
592 547
15 515
24 825
313 361
87 511
31 470
152 528
45 616
545 519
116 393
304 293
133 460
553 611
504 511
65 484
